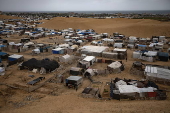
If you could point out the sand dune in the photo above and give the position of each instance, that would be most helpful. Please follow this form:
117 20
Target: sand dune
128 27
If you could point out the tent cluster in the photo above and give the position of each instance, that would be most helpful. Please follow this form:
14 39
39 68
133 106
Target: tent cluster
135 90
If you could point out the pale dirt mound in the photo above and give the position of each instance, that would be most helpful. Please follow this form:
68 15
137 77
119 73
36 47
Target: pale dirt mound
128 27
9 17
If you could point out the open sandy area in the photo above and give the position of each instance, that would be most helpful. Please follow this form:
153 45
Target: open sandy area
66 100
129 27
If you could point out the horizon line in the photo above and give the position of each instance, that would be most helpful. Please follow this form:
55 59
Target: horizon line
88 10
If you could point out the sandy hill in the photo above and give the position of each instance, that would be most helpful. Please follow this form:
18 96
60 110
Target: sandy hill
135 27
9 17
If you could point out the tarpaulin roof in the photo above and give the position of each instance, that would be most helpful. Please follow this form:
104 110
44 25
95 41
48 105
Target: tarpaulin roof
47 64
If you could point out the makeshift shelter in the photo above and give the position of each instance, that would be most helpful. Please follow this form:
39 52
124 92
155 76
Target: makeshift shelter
3 55
13 59
23 40
89 92
66 58
114 67
118 45
76 71
149 56
131 46
137 68
120 82
142 47
157 73
48 65
110 55
58 51
89 73
90 59
74 81
93 50
122 53
163 56
2 70
36 51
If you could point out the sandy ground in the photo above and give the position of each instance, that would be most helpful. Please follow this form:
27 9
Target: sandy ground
128 27
64 100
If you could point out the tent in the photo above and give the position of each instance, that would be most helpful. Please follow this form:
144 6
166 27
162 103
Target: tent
74 81
118 45
157 72
114 67
2 70
76 71
110 55
89 72
90 59
163 56
48 65
3 55
66 58
36 51
58 51
13 59
142 47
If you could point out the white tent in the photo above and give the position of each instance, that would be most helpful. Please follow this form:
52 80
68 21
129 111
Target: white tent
157 72
66 58
120 82
114 67
118 45
37 51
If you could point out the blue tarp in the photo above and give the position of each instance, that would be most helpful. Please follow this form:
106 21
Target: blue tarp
2 46
143 51
163 54
33 32
142 45
12 59
2 53
58 51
